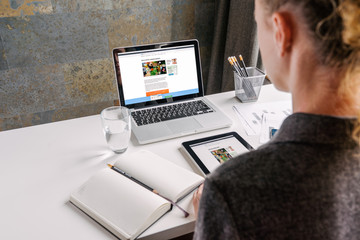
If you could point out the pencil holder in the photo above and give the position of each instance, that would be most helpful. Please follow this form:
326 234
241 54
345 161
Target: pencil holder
247 89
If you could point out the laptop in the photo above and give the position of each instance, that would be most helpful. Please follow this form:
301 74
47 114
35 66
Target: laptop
162 86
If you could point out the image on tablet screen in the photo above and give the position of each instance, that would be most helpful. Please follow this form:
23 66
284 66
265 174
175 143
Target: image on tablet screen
223 154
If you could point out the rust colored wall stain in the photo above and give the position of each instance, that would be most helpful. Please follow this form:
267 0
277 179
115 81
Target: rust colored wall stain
91 81
16 8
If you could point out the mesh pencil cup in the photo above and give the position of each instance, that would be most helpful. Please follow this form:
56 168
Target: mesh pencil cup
247 89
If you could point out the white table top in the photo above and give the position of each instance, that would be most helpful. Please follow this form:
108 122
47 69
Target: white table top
41 165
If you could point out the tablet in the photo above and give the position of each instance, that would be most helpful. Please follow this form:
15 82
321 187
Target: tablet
208 153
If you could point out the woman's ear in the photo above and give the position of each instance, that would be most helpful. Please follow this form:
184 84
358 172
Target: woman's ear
283 32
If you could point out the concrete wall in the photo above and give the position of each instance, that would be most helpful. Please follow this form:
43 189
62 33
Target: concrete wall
55 55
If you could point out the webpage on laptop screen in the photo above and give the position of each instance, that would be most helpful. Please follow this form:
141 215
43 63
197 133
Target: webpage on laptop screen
158 74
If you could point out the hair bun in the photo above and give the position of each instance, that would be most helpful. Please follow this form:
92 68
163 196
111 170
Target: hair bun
350 11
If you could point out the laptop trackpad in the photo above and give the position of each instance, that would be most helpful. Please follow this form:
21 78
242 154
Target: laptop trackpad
183 125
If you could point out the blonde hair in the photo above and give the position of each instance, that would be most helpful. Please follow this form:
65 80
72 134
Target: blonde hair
334 26
350 13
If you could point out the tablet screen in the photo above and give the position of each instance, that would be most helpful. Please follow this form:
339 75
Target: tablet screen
208 153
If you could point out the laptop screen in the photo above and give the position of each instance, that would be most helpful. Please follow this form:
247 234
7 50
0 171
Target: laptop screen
158 73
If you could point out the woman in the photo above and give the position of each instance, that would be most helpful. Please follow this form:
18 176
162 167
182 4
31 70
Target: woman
304 183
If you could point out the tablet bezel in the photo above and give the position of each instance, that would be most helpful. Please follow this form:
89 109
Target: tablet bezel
187 146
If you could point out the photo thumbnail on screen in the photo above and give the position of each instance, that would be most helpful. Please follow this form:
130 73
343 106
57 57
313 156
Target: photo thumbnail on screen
224 154
154 68
172 67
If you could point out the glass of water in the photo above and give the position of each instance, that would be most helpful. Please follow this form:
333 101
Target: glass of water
116 127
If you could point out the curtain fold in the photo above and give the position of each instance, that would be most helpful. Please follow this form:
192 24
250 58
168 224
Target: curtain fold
234 34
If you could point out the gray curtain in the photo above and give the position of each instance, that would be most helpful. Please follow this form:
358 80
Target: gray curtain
234 34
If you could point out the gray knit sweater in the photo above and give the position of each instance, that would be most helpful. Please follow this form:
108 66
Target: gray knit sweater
303 184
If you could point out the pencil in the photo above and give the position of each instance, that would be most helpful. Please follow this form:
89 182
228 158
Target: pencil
131 178
248 88
234 66
147 187
239 67
243 64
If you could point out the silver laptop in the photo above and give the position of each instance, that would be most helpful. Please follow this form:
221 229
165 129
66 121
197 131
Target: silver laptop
162 86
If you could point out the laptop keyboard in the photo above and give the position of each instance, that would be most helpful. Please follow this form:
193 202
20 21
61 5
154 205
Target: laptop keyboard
169 112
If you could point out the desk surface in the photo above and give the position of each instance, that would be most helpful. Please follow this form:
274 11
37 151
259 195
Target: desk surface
41 165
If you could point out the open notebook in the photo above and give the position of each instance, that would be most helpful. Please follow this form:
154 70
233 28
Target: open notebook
125 207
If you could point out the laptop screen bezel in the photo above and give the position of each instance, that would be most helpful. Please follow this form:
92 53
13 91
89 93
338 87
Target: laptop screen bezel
139 48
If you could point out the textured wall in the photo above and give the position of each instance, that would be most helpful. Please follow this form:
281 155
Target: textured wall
55 55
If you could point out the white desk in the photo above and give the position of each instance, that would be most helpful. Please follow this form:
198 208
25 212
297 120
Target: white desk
41 165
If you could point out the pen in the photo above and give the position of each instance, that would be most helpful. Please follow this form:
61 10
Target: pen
147 187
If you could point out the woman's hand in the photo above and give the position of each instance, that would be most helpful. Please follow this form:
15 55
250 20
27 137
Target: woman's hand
196 199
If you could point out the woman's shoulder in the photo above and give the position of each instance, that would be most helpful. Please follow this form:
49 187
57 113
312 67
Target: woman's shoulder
249 166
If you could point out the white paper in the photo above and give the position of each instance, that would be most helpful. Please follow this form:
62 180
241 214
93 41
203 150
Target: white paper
269 122
169 179
115 202
251 115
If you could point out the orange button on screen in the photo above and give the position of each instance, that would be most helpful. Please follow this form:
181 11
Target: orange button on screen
163 91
